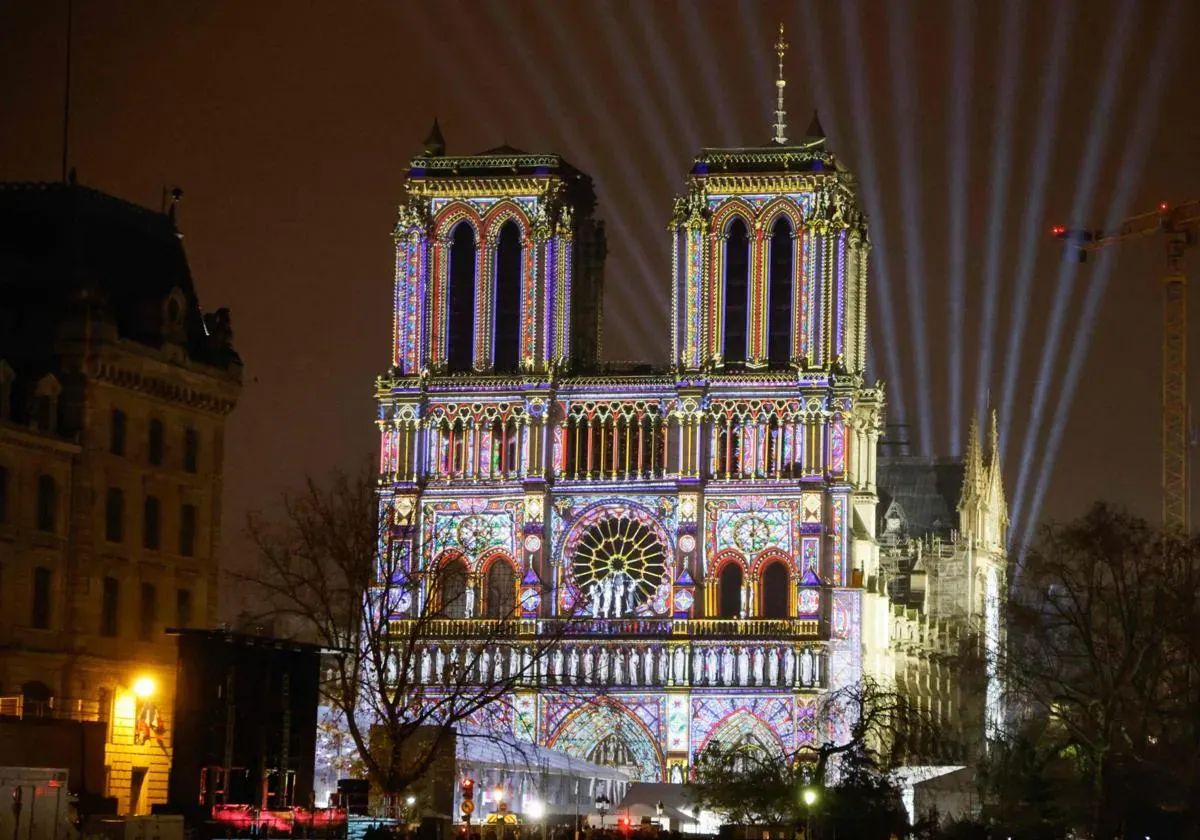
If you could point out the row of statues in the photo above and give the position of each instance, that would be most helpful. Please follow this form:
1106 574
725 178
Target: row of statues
725 666
612 596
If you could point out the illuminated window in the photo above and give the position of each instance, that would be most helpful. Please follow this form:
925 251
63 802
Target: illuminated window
507 332
114 515
737 290
109 607
460 336
779 302
155 442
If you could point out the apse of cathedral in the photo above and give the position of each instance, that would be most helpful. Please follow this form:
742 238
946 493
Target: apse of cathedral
698 537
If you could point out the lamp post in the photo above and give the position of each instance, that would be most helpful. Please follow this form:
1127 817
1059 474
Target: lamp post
809 796
409 813
602 803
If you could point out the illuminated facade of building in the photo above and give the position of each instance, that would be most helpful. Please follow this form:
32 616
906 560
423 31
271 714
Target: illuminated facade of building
709 526
114 391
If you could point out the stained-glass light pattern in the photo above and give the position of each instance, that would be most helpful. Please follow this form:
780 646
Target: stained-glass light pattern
620 546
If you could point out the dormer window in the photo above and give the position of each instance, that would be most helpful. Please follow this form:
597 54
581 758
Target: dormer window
45 404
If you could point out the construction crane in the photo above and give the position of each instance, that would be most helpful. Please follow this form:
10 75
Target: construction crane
1178 227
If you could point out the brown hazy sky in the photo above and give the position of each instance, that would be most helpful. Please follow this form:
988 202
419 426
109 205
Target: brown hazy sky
289 126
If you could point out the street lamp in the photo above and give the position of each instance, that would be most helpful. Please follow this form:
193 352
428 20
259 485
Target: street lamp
602 803
809 796
143 687
536 811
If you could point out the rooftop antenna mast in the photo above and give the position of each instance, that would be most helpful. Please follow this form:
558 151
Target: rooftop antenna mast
780 114
66 142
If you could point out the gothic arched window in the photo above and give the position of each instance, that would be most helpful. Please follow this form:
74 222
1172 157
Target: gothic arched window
737 291
775 586
453 590
779 294
729 591
507 332
501 597
460 327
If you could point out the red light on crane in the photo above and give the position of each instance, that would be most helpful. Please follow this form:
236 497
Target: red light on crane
1163 207
1058 231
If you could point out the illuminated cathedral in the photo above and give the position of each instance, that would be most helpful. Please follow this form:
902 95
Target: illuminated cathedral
705 528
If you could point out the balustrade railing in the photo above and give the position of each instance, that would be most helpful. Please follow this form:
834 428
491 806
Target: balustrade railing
483 629
619 665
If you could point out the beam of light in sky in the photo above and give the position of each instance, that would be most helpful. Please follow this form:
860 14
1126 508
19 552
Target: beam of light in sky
707 59
1010 42
869 195
652 45
1085 191
641 320
1033 227
960 159
1137 147
904 101
757 46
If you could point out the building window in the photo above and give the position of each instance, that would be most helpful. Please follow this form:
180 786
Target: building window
116 432
47 504
156 439
460 321
152 523
3 494
114 515
779 303
453 586
501 600
40 614
183 608
775 588
506 335
109 607
187 530
148 614
191 450
729 590
737 291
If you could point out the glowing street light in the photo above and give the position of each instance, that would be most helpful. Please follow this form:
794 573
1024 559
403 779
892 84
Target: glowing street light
536 810
809 797
144 687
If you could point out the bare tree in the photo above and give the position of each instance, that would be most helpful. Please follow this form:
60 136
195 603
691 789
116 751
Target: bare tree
404 674
1103 648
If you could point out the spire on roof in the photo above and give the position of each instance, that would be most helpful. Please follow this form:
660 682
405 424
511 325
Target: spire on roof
780 114
435 144
973 478
814 127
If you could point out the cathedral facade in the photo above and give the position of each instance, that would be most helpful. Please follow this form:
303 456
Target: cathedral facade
701 534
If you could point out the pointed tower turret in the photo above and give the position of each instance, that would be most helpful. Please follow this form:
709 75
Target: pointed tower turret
997 505
435 144
971 502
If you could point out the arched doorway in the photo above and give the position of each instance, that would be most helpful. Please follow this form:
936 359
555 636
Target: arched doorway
607 733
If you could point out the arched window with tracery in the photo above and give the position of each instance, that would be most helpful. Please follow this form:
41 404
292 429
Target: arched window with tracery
460 318
775 583
452 589
500 597
779 294
737 291
506 332
729 590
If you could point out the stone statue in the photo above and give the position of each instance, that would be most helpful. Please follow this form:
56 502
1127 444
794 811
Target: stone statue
697 667
773 667
485 664
573 665
789 667
727 666
558 665
425 665
664 664
806 667
630 595
618 668
711 670
593 590
743 667
758 666
587 665
634 662
470 596
602 657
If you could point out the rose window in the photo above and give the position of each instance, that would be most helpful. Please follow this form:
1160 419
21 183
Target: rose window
618 565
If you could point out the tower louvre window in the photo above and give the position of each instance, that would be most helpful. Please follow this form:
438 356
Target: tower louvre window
774 589
779 294
501 597
460 332
507 330
729 591
737 290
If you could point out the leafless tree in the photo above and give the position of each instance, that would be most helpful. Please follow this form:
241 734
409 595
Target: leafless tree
1103 646
403 675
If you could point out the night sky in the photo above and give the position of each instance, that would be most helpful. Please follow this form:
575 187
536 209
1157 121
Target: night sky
289 127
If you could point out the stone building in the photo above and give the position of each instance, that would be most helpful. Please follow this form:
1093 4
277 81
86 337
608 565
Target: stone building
114 391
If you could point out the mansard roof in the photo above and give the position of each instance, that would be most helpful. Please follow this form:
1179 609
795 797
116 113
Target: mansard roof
927 490
64 246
